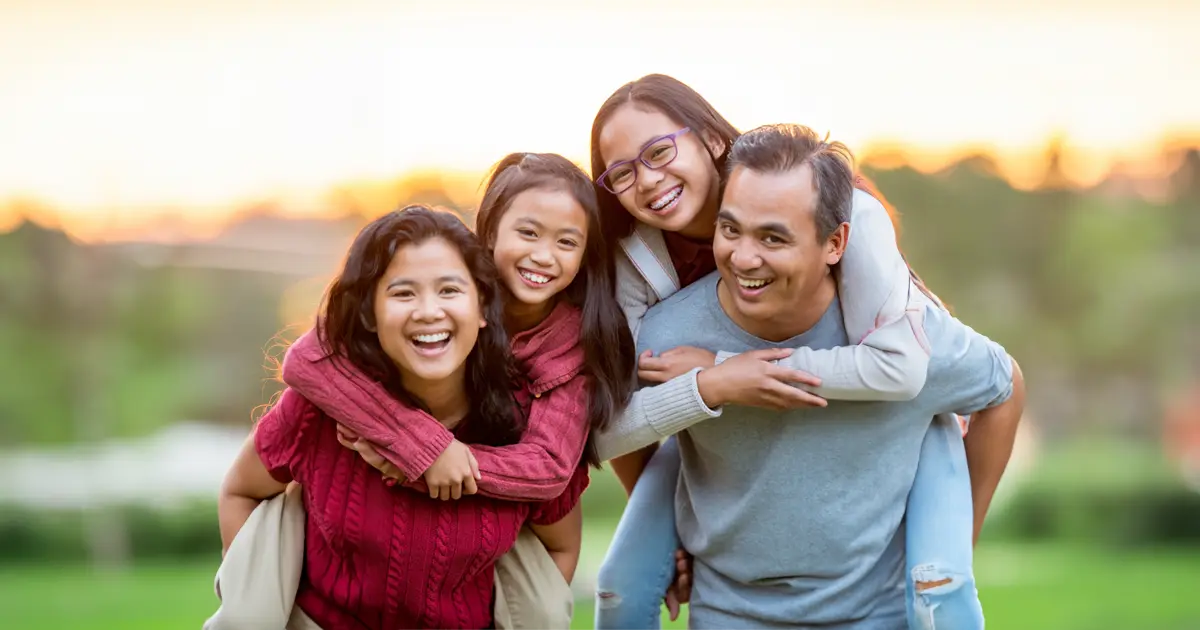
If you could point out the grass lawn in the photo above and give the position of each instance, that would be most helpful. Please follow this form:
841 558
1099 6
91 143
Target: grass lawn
1024 587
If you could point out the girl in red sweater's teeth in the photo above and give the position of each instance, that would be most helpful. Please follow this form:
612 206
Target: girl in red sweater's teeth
385 555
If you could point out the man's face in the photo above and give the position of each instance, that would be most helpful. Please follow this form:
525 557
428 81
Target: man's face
768 253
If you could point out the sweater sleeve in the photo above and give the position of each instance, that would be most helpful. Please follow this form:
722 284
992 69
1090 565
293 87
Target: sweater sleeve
409 438
554 510
285 436
540 466
655 413
882 308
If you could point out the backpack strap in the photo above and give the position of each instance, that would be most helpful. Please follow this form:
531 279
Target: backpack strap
649 265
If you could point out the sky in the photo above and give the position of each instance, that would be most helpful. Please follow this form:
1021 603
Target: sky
133 108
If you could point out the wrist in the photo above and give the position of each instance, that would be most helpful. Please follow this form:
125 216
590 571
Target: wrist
708 383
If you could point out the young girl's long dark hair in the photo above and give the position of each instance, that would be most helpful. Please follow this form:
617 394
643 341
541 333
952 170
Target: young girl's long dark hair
607 342
348 317
682 104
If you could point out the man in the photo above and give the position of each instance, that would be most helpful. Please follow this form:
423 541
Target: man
795 518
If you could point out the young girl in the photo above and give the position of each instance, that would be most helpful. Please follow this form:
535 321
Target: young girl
658 150
540 220
415 307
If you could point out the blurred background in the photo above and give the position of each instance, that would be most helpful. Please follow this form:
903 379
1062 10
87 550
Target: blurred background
179 180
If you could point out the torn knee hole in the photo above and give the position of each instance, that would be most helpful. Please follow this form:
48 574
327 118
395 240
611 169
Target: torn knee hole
928 584
607 600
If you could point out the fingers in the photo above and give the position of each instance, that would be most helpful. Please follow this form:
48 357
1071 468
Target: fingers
788 375
683 571
469 486
647 362
788 397
372 456
434 490
769 354
456 491
653 376
474 465
346 433
672 603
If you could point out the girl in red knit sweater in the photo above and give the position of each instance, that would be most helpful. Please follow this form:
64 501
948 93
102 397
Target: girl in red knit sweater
416 308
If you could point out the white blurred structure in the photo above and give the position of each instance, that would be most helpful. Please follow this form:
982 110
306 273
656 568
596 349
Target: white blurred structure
184 461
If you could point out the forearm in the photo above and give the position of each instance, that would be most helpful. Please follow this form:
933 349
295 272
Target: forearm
890 364
655 413
409 438
628 468
246 483
989 445
563 540
539 467
566 561
232 513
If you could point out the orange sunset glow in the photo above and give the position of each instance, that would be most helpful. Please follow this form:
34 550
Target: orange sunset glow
120 115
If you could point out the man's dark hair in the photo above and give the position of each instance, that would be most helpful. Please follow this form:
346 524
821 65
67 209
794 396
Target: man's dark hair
781 148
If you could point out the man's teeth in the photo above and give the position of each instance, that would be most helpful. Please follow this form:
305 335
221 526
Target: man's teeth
432 338
751 284
665 200
534 277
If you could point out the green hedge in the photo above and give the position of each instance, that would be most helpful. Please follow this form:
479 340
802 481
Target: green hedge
187 531
1102 492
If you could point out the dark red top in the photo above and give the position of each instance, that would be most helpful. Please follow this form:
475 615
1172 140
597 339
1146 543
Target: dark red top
692 260
379 557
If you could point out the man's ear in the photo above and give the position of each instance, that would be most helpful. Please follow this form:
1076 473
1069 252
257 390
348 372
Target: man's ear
836 245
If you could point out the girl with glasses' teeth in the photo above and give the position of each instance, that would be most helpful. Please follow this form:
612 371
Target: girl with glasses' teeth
668 200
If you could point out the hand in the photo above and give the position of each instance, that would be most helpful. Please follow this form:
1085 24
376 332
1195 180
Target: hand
366 450
680 591
751 378
672 363
453 473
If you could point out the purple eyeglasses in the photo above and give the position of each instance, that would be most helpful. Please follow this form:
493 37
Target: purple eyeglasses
655 154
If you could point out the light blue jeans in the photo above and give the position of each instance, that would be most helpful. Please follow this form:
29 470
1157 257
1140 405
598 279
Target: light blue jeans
640 562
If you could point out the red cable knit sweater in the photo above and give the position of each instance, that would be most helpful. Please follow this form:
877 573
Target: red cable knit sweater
394 558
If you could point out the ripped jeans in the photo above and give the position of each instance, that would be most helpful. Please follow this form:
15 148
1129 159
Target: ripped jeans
941 593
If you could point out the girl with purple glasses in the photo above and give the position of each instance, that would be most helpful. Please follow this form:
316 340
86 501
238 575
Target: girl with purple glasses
658 150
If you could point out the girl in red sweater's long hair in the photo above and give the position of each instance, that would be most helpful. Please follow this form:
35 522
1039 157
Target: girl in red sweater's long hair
417 308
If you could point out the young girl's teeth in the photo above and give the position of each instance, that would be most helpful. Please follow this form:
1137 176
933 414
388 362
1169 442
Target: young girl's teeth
535 277
751 284
433 338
